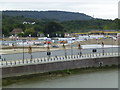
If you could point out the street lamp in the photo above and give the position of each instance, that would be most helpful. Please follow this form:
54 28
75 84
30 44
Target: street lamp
103 47
112 45
79 47
23 48
48 49
30 52
64 49
71 49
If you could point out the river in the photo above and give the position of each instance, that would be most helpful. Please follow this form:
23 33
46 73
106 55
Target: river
100 79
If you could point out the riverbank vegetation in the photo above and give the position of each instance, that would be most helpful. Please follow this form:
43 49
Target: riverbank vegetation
55 74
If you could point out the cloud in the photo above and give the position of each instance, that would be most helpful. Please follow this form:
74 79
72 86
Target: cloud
100 8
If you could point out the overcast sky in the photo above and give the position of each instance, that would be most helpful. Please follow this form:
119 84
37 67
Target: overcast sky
106 9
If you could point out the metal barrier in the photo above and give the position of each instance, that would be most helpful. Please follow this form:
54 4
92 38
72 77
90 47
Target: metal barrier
55 59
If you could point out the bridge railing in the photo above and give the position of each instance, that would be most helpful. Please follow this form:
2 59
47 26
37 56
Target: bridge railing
13 63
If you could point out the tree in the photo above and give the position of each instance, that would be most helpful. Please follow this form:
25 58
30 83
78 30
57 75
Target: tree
52 28
30 31
21 34
117 22
19 26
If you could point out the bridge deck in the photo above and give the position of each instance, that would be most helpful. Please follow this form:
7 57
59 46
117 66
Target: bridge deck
15 63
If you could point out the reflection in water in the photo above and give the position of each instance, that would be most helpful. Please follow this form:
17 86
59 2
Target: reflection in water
102 79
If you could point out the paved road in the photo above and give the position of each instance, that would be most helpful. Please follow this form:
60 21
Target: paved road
58 53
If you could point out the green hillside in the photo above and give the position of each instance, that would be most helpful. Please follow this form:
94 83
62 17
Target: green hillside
55 15
52 26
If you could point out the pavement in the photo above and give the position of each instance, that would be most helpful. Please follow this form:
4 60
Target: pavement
26 50
13 51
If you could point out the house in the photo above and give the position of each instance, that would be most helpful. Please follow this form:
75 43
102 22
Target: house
15 31
28 22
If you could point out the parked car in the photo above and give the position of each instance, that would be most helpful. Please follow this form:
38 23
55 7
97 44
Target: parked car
55 46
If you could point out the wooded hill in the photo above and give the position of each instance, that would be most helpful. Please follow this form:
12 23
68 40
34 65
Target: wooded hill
55 15
49 25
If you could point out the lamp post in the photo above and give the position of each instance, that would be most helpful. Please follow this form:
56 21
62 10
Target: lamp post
48 49
23 48
71 49
64 49
112 46
118 38
103 47
30 52
79 47
13 46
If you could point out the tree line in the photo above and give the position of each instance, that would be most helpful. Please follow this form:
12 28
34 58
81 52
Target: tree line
53 27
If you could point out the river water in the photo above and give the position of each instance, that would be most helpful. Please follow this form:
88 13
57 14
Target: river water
100 79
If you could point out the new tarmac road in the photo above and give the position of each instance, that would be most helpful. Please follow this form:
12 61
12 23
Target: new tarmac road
19 56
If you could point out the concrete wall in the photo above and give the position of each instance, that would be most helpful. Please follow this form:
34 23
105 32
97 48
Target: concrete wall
40 68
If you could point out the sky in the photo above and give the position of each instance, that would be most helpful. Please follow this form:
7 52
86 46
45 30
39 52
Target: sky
105 9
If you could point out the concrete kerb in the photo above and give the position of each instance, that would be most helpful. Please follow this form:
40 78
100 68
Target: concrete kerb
54 59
